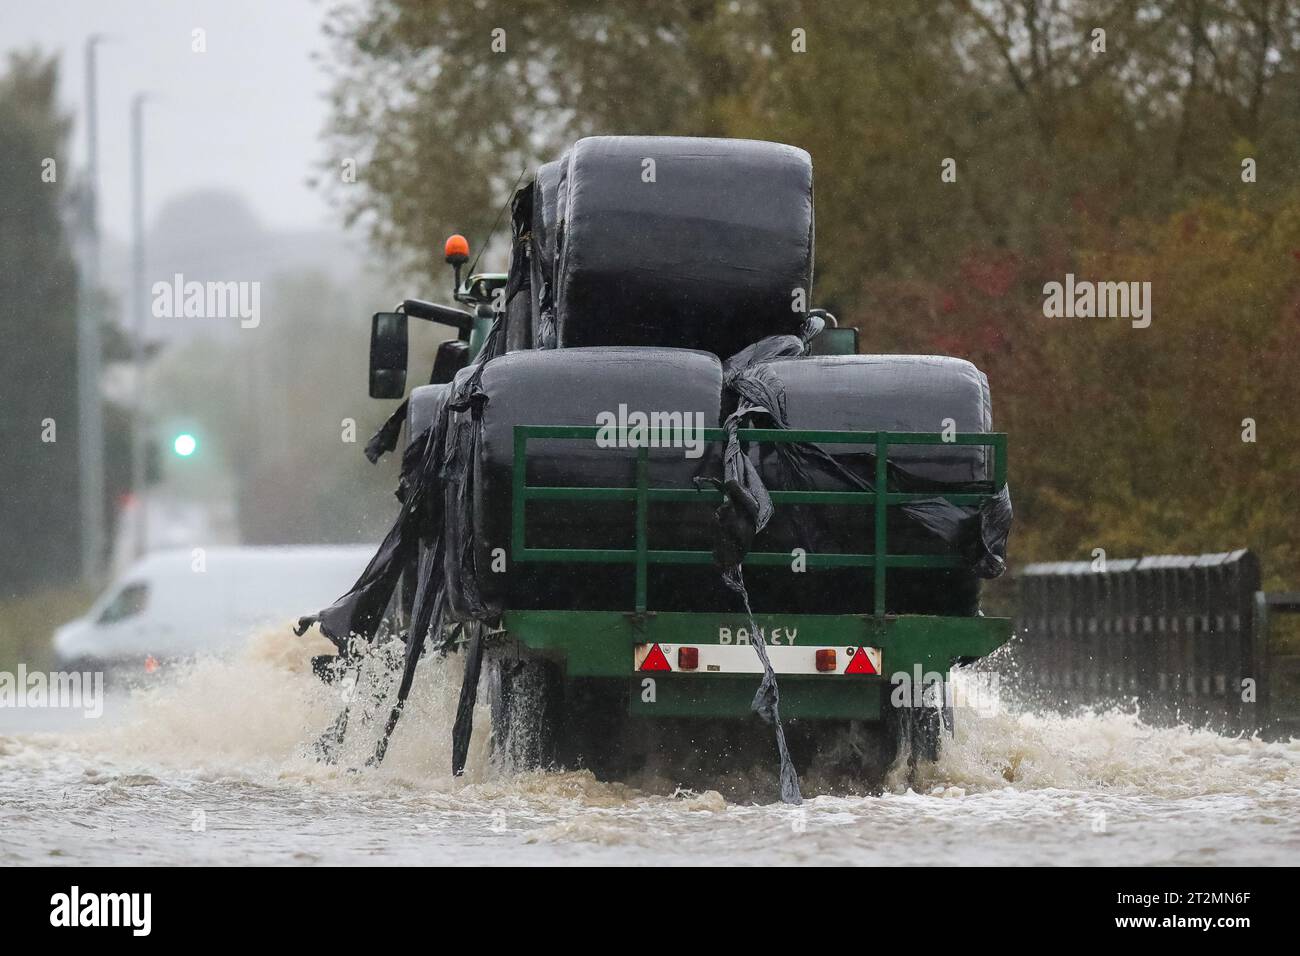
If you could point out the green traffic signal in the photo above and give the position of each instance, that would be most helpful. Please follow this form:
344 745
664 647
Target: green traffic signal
185 444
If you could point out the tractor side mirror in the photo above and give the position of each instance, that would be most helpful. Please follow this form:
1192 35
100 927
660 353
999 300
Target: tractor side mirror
388 355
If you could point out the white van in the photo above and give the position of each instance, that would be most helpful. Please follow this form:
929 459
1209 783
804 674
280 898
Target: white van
178 604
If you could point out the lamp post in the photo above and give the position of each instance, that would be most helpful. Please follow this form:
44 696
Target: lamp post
139 326
90 413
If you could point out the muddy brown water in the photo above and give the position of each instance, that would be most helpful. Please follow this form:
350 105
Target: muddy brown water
209 764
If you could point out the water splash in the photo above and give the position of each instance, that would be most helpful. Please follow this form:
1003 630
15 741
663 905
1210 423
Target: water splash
230 738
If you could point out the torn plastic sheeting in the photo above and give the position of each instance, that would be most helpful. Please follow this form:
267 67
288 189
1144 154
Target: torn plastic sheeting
418 533
767 699
520 303
543 232
745 510
765 350
707 255
463 599
456 474
431 597
357 614
519 322
385 439
770 349
463 728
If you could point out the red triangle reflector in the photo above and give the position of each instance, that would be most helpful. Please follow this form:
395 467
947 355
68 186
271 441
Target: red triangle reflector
655 660
860 664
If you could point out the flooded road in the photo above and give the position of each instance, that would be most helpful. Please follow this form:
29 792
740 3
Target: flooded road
211 766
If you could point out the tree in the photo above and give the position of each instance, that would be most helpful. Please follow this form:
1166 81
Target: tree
38 476
441 110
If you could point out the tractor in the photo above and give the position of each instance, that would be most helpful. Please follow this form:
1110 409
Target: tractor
649 491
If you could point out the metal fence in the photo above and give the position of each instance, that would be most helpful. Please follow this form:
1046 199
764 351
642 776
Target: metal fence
1280 690
1176 634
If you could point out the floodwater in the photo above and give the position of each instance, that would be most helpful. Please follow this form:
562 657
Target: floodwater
210 765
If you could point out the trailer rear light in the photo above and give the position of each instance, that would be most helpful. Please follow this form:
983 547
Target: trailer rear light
655 660
688 658
825 659
860 662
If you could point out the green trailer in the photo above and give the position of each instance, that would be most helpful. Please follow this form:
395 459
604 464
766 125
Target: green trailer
558 674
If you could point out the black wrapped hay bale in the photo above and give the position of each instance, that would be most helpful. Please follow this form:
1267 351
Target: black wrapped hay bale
908 393
899 393
573 387
425 407
707 255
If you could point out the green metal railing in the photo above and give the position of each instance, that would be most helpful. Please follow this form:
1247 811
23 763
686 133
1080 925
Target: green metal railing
643 495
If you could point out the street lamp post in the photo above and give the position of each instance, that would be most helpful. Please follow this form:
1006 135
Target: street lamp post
90 416
139 325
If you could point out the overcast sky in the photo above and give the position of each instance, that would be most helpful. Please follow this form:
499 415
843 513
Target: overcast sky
246 115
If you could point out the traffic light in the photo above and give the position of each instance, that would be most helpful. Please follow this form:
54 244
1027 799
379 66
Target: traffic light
185 445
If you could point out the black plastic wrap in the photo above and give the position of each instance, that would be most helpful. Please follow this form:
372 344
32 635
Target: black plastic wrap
457 476
544 234
524 273
863 393
707 256
385 439
765 350
357 614
571 387
445 533
431 523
